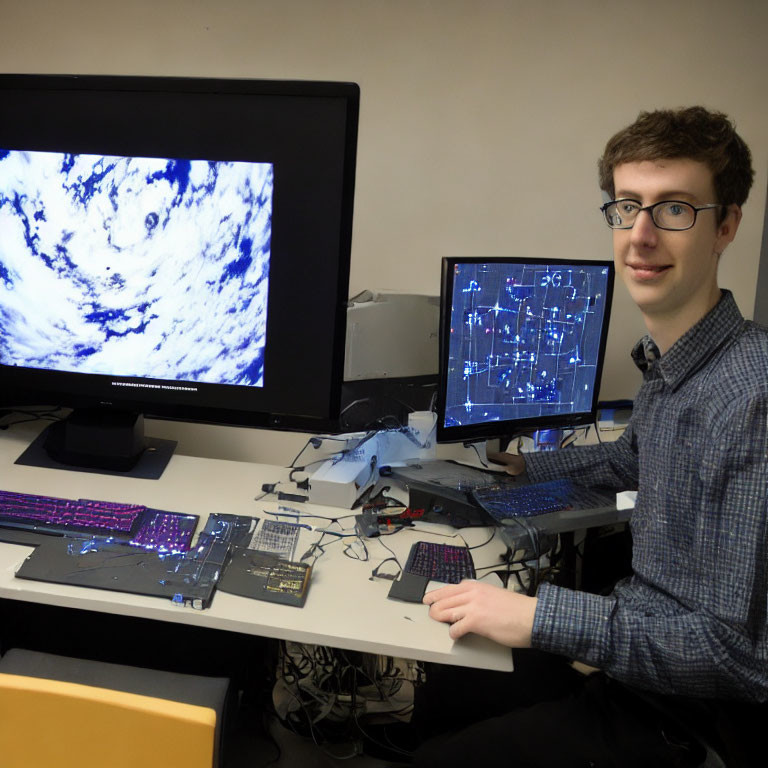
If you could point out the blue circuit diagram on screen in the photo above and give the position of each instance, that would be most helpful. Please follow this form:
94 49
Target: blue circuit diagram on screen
524 341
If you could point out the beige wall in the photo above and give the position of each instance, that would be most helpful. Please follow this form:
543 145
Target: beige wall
481 120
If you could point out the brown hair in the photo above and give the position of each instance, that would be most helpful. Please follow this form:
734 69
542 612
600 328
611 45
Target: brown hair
694 133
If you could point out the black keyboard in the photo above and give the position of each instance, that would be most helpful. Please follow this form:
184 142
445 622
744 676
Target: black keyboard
440 562
504 502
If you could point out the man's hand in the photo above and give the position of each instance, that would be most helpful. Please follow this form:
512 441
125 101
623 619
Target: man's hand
514 463
485 609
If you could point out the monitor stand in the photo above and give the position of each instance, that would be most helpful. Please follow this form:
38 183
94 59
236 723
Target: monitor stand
105 442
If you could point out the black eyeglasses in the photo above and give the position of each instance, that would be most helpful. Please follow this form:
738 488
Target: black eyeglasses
675 215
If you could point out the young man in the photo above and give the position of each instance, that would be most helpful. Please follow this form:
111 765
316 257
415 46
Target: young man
685 638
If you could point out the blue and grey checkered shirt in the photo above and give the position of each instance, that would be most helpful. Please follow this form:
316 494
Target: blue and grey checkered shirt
692 619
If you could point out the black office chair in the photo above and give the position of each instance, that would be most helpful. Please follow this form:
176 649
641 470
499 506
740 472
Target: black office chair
67 712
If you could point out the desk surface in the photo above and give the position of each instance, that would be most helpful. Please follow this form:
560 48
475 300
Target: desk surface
345 608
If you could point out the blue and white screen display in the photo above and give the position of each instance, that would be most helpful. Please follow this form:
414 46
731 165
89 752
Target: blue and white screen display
135 267
524 341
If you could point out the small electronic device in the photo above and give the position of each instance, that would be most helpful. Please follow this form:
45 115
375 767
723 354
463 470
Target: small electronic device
370 524
236 530
266 576
440 562
440 490
186 578
522 343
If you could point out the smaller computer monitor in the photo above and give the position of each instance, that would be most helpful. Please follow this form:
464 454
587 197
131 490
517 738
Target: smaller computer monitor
522 343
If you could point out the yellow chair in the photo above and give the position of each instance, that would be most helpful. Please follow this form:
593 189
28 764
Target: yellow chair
104 721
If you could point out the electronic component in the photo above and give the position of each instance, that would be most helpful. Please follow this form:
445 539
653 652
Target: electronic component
370 524
439 490
367 524
265 576
187 578
130 523
440 562
277 537
507 502
232 529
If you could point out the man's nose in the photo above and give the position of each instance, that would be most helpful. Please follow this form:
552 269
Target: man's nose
644 231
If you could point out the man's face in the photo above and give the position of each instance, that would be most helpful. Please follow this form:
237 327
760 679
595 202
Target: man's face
671 275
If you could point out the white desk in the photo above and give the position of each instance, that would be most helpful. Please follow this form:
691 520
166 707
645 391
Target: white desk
344 608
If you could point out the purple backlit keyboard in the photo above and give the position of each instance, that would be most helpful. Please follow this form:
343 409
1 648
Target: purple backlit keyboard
163 531
440 562
131 523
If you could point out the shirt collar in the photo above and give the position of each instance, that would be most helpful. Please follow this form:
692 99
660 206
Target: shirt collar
694 347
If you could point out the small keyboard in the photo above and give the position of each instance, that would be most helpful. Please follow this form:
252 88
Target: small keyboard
440 562
129 523
504 502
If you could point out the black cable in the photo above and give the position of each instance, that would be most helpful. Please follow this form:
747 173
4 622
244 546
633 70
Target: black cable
381 420
485 543
392 747
353 556
337 682
303 468
394 423
520 581
313 441
48 414
319 545
389 576
306 445
382 695
368 435
533 540
291 673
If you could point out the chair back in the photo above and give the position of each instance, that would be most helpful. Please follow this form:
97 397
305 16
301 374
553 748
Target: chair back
45 723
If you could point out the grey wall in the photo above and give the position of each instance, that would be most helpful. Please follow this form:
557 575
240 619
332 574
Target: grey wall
761 296
480 119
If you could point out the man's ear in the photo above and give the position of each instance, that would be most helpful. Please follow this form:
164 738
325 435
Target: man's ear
727 228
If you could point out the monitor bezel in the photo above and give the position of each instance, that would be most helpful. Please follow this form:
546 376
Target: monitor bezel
505 430
281 405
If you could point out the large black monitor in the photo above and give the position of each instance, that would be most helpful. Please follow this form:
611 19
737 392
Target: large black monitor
176 247
522 343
